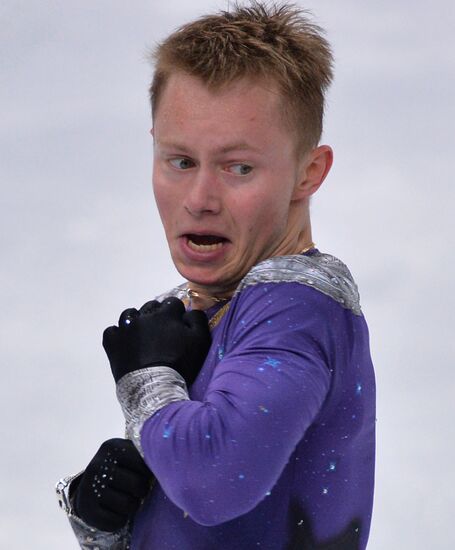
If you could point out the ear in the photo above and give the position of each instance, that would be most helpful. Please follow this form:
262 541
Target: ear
314 168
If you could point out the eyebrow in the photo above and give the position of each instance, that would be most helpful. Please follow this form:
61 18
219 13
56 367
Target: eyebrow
237 146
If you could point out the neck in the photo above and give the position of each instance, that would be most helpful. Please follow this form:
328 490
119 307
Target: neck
205 297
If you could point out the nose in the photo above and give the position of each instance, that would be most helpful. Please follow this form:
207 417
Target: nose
203 195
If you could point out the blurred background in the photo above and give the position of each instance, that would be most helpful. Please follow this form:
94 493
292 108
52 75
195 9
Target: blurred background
81 239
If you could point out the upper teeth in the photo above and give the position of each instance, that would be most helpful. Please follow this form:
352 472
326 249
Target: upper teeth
204 247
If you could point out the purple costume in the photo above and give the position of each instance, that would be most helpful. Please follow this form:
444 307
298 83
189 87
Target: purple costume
275 447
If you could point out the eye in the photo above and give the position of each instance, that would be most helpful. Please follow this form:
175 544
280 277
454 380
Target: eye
181 163
240 169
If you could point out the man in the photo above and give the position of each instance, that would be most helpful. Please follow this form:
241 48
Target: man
248 392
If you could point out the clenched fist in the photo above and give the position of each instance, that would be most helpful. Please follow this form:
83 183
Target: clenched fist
159 334
112 486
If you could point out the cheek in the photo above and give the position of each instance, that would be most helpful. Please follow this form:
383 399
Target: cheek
164 202
165 192
269 211
264 217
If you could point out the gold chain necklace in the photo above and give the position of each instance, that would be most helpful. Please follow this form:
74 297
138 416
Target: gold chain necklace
190 293
215 319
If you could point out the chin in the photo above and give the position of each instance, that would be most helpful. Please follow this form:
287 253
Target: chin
198 275
210 279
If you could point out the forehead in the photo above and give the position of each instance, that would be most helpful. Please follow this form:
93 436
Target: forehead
244 105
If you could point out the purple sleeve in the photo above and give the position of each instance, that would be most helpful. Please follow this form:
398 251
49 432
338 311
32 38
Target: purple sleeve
219 457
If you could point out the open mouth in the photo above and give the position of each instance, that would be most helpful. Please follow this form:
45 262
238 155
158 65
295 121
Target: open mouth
205 243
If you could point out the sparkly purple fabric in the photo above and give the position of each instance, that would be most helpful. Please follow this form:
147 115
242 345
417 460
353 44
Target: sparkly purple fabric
275 450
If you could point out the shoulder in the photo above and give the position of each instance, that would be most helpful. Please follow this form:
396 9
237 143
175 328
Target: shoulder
322 272
304 304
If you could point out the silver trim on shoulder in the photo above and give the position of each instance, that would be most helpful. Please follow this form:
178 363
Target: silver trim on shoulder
324 272
321 271
143 392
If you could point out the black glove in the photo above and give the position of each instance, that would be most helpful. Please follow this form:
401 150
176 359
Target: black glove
112 487
159 334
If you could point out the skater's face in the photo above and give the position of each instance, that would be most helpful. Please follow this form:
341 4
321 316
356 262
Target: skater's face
227 181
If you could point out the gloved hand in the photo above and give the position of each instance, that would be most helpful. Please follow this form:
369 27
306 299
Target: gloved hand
112 487
159 334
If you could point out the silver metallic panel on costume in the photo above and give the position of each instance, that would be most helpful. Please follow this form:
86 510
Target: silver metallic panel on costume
89 538
94 539
143 392
323 272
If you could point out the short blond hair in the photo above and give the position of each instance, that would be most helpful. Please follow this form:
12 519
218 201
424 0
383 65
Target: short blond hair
276 43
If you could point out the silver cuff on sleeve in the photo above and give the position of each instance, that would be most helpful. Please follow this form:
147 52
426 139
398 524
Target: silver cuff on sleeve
94 539
143 392
88 537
